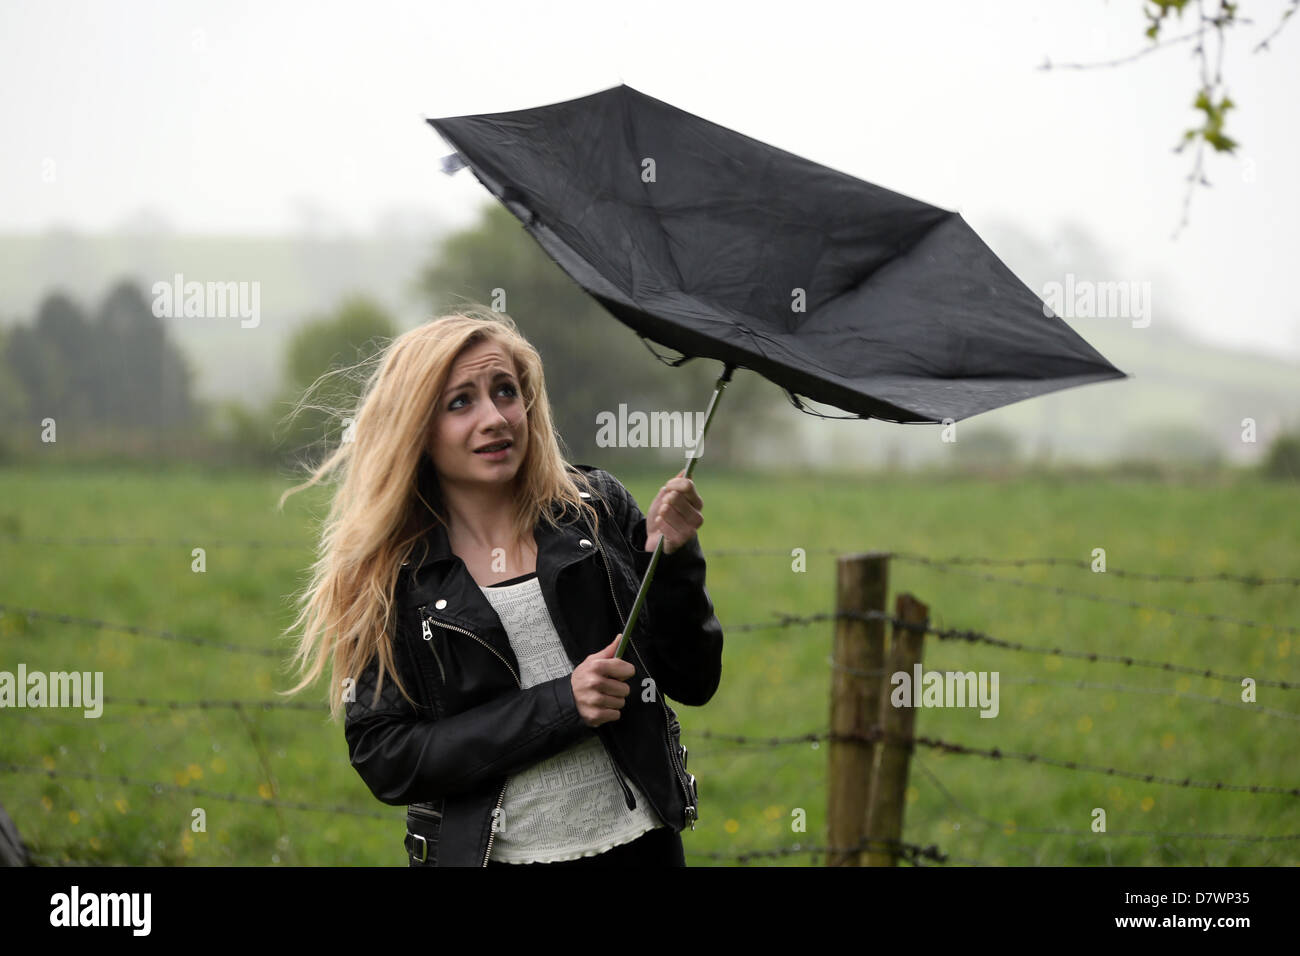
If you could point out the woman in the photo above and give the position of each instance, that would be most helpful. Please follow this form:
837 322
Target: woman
469 596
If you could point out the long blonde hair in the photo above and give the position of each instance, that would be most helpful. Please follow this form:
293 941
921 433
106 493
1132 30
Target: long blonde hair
389 497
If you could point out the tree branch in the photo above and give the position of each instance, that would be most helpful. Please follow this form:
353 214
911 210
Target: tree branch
1210 98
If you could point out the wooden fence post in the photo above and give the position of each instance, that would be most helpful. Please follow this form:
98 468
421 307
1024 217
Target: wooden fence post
888 797
861 585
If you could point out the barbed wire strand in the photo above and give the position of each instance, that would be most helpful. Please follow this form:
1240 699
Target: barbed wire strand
1074 832
1119 602
159 787
876 734
138 631
1086 685
1252 580
187 543
795 620
908 851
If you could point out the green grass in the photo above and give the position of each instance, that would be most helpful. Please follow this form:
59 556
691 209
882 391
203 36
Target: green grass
775 682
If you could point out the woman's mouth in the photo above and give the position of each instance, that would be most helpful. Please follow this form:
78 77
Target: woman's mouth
496 451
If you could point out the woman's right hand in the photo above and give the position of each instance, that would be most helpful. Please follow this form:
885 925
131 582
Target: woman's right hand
600 684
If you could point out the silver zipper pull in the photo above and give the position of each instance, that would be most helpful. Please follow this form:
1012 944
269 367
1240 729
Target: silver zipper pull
428 632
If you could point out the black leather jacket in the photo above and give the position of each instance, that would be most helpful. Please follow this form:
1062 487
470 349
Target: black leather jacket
448 757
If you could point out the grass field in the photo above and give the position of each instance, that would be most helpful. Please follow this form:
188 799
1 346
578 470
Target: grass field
228 762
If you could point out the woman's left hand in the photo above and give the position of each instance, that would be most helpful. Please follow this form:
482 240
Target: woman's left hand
674 514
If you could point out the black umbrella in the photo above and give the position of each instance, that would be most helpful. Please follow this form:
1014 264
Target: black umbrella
720 246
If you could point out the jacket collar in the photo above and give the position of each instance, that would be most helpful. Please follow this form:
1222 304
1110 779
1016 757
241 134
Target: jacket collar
439 576
439 545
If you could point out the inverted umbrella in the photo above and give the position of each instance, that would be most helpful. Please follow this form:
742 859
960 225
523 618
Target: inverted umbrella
720 246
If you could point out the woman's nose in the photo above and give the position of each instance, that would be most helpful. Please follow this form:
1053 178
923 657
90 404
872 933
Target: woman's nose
494 417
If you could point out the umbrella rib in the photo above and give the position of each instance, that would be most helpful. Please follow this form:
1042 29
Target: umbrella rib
630 131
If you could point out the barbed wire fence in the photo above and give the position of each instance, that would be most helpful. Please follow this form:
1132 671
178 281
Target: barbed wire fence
866 782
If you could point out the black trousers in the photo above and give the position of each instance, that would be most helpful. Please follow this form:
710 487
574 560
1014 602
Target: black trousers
661 846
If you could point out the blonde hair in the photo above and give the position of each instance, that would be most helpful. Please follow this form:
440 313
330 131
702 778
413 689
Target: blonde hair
389 497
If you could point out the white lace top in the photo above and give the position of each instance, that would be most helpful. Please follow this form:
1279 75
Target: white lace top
570 804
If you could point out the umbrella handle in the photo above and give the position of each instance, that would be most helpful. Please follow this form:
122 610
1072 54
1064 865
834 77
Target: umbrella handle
691 459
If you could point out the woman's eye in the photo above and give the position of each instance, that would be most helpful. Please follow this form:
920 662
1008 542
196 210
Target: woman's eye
513 392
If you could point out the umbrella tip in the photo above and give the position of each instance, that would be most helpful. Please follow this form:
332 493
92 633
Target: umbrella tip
452 163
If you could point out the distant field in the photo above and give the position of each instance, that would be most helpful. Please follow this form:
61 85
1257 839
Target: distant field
775 682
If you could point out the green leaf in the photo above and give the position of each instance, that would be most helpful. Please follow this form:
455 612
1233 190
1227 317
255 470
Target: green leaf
1221 143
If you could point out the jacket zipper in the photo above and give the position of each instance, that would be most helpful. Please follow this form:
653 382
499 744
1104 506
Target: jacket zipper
496 813
691 810
628 798
452 627
428 637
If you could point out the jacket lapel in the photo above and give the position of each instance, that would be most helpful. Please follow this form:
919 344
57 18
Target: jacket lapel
440 581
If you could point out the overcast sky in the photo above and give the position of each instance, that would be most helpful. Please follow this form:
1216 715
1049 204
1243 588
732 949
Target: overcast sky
252 118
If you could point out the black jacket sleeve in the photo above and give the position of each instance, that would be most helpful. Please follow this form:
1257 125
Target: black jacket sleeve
406 757
678 634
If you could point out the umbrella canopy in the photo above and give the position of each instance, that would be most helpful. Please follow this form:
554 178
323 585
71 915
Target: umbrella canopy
720 246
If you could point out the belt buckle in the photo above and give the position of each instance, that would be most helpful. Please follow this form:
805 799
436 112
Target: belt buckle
424 847
692 811
692 807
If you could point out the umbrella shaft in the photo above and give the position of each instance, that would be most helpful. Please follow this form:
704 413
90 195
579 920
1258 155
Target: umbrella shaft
659 547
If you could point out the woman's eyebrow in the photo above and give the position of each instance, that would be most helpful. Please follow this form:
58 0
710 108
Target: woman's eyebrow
467 384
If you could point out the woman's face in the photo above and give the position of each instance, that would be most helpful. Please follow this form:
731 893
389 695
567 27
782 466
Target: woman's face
482 405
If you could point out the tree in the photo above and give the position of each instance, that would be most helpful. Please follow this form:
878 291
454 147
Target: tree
329 356
1211 98
144 380
1283 460
89 376
52 361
